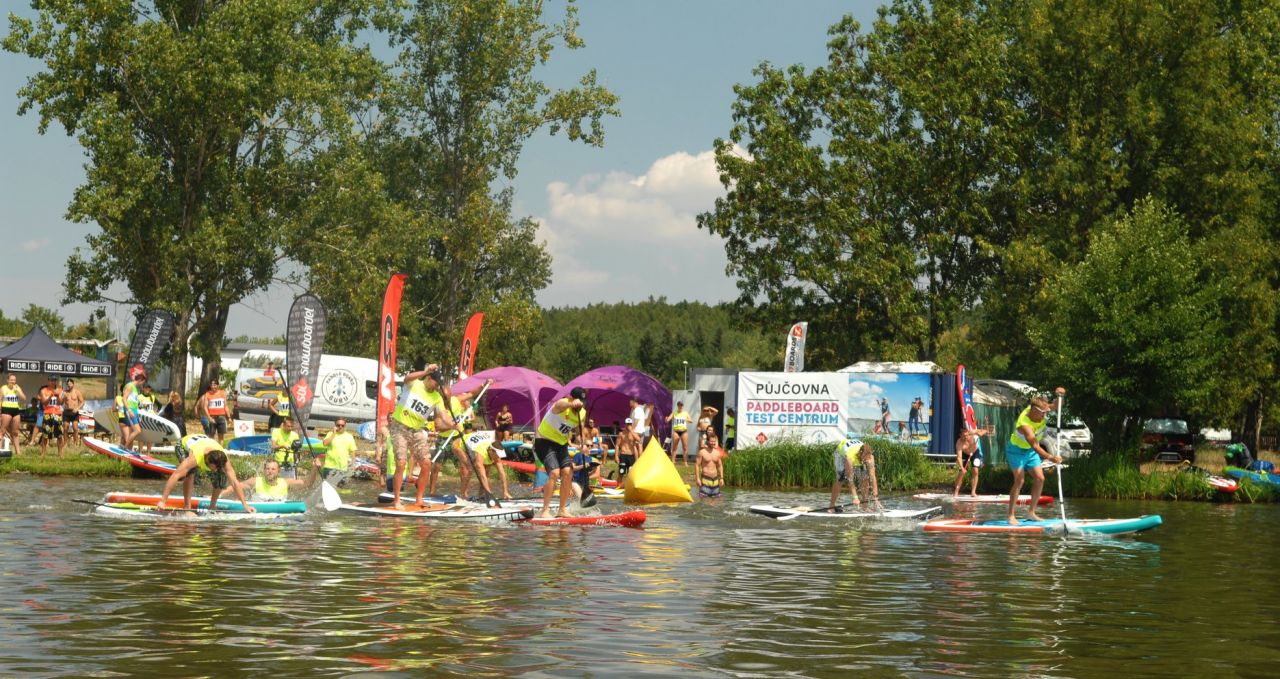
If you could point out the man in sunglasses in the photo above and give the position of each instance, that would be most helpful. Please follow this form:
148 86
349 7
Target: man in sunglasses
1025 452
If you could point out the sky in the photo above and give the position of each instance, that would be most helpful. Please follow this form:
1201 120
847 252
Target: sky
619 221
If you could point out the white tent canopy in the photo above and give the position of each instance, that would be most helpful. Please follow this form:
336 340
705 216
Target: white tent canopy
892 367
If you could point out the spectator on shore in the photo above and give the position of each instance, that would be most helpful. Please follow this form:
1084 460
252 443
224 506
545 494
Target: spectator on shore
705 419
730 429
11 399
502 424
642 420
174 413
71 411
51 406
212 410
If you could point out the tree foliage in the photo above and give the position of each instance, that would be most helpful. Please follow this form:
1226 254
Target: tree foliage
194 116
1132 327
915 195
869 197
449 122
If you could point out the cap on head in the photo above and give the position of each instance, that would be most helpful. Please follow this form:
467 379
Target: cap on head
578 393
53 378
435 375
629 421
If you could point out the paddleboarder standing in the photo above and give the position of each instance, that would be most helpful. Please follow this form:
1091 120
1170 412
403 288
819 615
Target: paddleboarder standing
552 446
1024 452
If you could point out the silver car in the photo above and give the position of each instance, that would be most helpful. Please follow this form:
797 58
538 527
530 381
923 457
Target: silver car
1077 440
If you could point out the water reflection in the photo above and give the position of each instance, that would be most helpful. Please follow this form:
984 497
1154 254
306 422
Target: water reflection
703 590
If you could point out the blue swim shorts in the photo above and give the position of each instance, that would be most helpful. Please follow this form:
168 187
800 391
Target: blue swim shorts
1021 458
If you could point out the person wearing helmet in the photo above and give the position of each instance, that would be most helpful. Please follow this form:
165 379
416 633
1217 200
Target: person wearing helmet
200 453
552 446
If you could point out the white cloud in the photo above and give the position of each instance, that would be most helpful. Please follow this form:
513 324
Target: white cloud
615 236
33 244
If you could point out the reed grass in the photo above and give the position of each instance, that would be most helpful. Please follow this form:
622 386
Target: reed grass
790 464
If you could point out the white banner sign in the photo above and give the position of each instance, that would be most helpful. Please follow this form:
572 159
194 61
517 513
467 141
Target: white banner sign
809 407
243 428
793 362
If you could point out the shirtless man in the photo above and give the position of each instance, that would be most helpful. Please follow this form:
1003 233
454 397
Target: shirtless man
969 455
628 447
709 466
71 411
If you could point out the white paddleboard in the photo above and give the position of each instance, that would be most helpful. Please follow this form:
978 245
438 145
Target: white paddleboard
156 430
846 513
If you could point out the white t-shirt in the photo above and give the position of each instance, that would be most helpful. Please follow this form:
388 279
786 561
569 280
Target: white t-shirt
641 417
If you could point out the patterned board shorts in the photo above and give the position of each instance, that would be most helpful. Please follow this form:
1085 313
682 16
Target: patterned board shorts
409 442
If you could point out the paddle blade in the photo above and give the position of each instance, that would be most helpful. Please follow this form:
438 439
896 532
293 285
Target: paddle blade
329 496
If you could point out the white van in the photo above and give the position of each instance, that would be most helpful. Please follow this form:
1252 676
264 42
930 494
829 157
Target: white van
347 387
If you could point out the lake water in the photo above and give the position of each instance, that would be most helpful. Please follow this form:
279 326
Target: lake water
703 590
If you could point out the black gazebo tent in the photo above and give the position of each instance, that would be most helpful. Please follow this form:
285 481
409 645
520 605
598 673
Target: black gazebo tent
37 355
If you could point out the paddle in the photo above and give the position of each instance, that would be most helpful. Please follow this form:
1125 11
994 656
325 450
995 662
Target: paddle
329 496
489 499
464 417
1062 503
140 507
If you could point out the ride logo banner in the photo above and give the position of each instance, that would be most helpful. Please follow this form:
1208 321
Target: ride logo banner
303 348
802 407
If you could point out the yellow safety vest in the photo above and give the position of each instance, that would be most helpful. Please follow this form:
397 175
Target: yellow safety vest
557 427
1016 437
277 491
417 406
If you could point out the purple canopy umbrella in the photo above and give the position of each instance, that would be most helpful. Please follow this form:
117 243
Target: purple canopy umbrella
526 392
609 391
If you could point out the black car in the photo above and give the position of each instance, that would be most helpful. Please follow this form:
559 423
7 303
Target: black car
1169 439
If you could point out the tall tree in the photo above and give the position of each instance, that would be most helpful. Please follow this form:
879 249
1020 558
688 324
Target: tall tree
1133 327
194 115
868 200
451 121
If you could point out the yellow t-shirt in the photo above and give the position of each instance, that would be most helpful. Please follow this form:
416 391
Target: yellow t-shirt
341 449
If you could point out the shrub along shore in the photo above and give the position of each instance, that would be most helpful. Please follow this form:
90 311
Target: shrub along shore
901 468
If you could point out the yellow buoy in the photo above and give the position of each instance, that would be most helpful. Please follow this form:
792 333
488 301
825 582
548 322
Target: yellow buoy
653 479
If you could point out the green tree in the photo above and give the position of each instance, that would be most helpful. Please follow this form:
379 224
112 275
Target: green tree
1133 328
47 319
870 196
450 122
194 116
1132 99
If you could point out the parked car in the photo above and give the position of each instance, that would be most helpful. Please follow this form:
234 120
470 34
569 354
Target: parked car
1169 439
1077 440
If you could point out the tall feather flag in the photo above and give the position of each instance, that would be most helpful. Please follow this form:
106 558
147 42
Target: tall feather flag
149 341
389 330
303 347
794 361
470 342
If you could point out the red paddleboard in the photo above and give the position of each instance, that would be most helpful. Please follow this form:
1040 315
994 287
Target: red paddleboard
633 519
522 467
